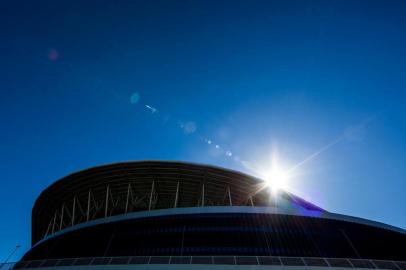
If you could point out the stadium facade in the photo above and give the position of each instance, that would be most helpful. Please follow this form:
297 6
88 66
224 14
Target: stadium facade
177 215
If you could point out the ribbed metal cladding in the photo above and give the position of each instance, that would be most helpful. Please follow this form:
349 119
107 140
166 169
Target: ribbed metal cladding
66 202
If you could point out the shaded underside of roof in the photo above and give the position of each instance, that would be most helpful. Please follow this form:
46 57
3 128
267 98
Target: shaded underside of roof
126 187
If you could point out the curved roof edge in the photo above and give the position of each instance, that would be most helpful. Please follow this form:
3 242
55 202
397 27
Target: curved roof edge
203 165
142 161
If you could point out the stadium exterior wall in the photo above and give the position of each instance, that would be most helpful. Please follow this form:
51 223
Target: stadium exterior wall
154 214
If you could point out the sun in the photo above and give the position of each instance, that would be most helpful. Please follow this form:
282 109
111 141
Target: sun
275 175
276 179
273 171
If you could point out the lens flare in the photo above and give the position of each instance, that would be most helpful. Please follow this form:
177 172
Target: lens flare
276 179
135 97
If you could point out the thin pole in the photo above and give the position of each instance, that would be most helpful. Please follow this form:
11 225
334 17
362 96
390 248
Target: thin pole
88 206
53 225
107 201
150 196
61 223
203 195
229 195
73 210
176 196
128 197
252 203
49 226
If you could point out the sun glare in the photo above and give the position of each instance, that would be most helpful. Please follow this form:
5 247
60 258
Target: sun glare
276 179
274 172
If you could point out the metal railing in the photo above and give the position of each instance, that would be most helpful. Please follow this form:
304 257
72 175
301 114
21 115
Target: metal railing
215 260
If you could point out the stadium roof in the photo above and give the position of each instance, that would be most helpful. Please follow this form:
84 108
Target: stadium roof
133 186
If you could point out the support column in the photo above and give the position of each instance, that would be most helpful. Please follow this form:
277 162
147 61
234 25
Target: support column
48 228
128 197
150 196
88 206
53 224
229 195
107 201
61 223
203 195
252 203
73 210
176 196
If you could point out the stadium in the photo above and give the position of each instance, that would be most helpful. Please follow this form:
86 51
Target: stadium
179 215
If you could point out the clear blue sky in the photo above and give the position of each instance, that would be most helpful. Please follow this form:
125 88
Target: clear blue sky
252 77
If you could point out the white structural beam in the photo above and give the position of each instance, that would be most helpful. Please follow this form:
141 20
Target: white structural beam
114 203
88 206
128 197
73 210
250 199
203 195
229 196
150 196
49 226
176 196
53 224
80 208
62 212
107 201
